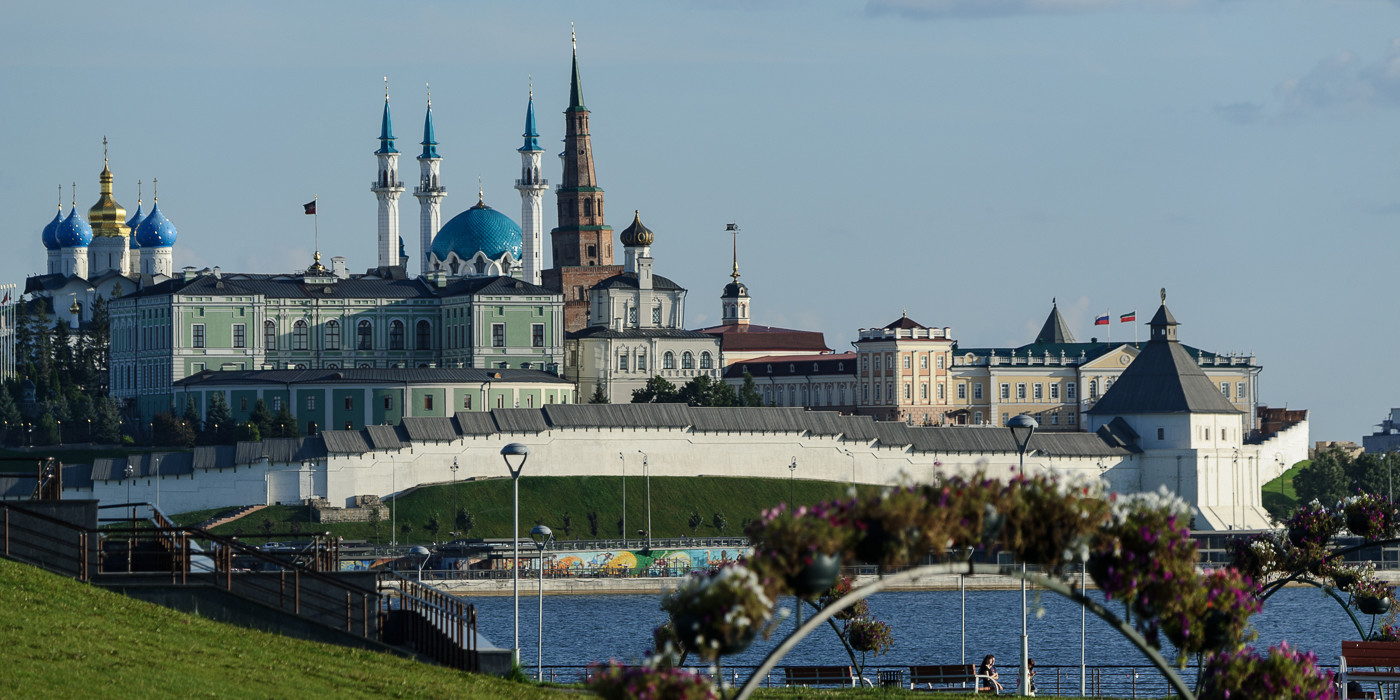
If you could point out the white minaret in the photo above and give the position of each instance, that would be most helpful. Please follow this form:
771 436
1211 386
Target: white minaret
429 191
532 188
387 189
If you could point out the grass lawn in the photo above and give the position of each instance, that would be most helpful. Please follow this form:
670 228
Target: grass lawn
562 503
62 638
1279 496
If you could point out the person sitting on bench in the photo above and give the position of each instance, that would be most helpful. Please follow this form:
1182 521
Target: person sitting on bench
988 672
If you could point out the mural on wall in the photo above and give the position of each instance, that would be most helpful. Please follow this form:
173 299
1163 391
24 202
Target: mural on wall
656 562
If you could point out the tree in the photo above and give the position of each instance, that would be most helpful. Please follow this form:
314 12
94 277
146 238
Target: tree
191 416
593 523
262 418
218 421
465 521
168 429
702 391
657 390
10 418
405 529
46 432
748 395
598 395
568 522
107 423
720 522
694 521
434 525
375 521
248 432
284 425
1324 479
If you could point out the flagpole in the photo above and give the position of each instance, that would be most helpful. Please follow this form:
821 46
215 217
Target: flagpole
1109 316
316 222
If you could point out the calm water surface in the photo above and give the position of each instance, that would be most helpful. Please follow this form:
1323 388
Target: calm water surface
926 625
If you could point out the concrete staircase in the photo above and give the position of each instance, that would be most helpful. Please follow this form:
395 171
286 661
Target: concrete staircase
228 517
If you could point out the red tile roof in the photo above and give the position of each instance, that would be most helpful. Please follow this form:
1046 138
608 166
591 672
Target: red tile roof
754 338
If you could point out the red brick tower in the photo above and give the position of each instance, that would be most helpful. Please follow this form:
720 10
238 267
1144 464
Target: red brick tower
582 243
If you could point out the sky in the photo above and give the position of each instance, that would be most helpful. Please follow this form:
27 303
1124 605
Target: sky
964 161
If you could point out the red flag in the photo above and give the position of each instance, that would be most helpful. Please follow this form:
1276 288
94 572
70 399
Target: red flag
310 207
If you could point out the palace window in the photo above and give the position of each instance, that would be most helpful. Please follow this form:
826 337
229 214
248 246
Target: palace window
269 335
365 331
1072 417
198 332
1161 433
706 361
877 363
656 314
962 392
1239 391
240 335
332 335
940 362
467 402
1225 389
641 362
537 335
622 362
1072 391
311 402
1054 392
668 361
1093 389
388 403
277 403
906 362
396 335
498 335
1038 392
923 362
923 391
909 391
428 402
977 418
687 360
299 333
424 332
941 391
1020 391
977 391
1005 392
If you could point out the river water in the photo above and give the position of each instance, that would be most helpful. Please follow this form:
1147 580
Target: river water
581 629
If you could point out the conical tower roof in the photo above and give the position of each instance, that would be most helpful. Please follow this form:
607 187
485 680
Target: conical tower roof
1055 329
1163 379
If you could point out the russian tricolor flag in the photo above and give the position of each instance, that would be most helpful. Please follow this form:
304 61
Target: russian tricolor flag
1101 320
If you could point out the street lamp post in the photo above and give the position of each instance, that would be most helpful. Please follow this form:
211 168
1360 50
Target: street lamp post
519 453
792 480
1022 428
157 461
624 499
455 507
421 551
394 504
129 472
646 469
542 536
60 432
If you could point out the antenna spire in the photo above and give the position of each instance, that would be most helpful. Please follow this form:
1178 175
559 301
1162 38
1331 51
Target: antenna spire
104 151
734 229
430 94
138 194
480 194
75 195
155 190
386 88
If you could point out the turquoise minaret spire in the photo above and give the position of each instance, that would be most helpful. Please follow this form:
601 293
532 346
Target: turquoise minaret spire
532 137
429 192
386 188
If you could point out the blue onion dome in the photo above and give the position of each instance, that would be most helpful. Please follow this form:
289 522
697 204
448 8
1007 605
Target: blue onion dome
74 231
156 231
133 223
636 234
480 228
50 236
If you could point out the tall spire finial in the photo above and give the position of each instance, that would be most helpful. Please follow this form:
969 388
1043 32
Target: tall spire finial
386 88
575 85
480 194
430 94
155 191
734 229
75 195
138 194
532 86
1164 295
60 196
573 37
104 151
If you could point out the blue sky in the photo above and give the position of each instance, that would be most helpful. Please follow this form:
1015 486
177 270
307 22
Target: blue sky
966 160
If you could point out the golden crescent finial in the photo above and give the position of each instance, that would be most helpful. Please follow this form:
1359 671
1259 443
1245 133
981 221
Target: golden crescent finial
480 194
60 196
1164 295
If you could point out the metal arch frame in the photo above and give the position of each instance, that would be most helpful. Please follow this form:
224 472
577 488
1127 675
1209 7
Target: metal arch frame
1046 582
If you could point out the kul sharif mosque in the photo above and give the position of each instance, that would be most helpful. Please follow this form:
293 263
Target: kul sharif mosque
108 254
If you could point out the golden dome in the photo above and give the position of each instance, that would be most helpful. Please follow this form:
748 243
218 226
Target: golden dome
106 216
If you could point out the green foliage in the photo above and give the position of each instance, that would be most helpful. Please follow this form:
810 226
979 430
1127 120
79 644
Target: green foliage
218 421
262 418
465 521
191 416
248 432
657 390
598 395
694 521
720 522
46 430
9 417
284 424
1325 480
171 431
702 391
748 395
434 525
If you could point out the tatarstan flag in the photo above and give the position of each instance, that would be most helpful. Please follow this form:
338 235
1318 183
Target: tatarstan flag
310 207
1130 316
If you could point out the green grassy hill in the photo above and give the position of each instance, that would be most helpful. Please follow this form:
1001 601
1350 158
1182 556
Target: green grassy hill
564 504
67 639
1279 497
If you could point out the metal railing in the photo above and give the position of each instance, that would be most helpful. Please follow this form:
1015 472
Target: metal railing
432 622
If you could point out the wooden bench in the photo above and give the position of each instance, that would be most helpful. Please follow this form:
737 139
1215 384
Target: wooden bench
953 677
820 675
1383 658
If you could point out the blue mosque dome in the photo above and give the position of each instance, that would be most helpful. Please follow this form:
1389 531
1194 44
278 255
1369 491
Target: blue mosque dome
50 236
74 231
480 228
155 231
133 223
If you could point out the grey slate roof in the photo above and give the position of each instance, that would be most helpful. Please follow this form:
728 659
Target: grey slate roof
1163 379
1055 329
383 437
214 456
474 423
345 442
428 428
519 420
14 487
628 280
419 375
639 415
279 450
748 420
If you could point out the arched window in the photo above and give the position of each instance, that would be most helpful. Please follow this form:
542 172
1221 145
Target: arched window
365 331
424 332
706 361
332 335
1093 388
687 360
269 335
396 335
299 333
668 361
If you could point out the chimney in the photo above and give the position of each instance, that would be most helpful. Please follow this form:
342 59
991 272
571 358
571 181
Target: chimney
338 267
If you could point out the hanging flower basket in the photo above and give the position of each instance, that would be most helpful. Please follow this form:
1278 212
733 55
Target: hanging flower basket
816 577
1371 605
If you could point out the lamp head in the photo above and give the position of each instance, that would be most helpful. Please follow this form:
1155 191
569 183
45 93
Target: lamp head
1022 427
515 455
542 536
420 551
